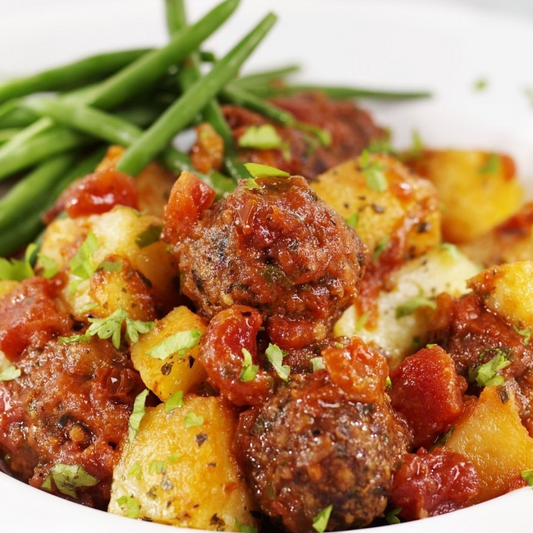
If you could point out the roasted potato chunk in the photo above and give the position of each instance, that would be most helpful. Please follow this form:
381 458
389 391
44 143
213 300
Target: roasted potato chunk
154 183
491 435
444 269
180 469
478 190
403 203
178 371
507 290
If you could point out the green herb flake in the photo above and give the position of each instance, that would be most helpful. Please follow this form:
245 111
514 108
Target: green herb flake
132 506
388 383
317 363
134 328
243 528
417 145
411 305
47 484
87 307
175 401
264 171
275 356
137 414
84 337
249 370
373 172
110 266
487 375
429 346
352 220
528 477
264 137
135 470
392 516
192 420
252 184
157 467
481 84
15 270
149 236
492 166
177 343
81 265
10 373
381 146
450 249
49 266
361 322
443 439
69 478
381 246
525 333
320 521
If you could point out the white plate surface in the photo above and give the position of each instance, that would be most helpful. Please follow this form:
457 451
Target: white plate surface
404 44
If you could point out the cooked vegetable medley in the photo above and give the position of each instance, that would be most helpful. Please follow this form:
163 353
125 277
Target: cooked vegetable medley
291 327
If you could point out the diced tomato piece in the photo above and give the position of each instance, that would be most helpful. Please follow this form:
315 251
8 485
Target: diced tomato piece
427 392
29 315
430 484
189 198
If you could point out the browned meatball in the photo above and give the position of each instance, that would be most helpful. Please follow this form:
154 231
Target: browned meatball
309 447
70 406
279 249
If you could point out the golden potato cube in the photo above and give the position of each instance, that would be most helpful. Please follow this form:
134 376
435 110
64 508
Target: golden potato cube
508 291
408 205
478 190
177 371
491 435
509 242
181 471
154 182
443 269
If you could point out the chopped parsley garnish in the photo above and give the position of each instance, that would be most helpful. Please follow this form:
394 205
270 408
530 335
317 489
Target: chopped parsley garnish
320 521
528 477
373 172
81 265
381 246
49 266
275 356
429 346
417 146
392 516
249 370
139 410
450 249
69 478
381 146
192 420
263 137
175 401
135 470
318 363
87 307
487 375
132 506
492 166
157 467
481 84
10 373
252 184
411 305
177 343
525 333
83 337
388 382
150 235
264 171
361 321
352 220
110 266
243 528
15 270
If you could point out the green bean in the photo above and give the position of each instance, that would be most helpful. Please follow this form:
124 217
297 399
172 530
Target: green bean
261 79
7 134
72 74
30 190
246 99
183 111
207 57
339 92
188 75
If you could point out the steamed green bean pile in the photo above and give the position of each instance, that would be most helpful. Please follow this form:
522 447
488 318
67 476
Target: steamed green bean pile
139 99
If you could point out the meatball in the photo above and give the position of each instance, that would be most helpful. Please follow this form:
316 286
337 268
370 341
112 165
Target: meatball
309 447
70 406
350 127
277 248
